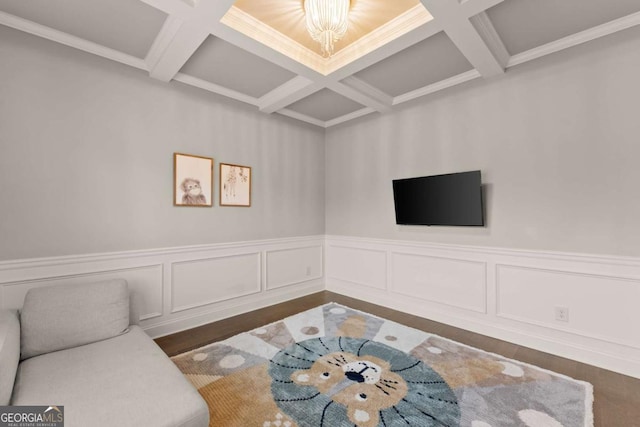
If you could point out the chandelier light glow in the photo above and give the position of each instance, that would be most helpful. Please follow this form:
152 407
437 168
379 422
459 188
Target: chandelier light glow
327 22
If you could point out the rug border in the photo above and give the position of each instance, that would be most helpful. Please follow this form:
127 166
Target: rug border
589 399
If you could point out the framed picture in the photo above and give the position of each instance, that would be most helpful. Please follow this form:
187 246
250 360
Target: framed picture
235 185
192 180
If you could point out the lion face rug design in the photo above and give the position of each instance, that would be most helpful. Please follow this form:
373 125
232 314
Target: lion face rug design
348 381
337 367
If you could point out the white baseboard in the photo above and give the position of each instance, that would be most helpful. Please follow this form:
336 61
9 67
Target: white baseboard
502 293
233 308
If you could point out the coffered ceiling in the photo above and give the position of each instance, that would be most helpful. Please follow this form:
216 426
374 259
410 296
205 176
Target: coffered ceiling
258 52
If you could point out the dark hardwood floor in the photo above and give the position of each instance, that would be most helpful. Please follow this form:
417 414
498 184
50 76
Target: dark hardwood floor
617 397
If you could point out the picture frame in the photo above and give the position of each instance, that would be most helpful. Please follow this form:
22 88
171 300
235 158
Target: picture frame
235 185
192 180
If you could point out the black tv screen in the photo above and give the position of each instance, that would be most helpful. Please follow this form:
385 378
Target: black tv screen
451 199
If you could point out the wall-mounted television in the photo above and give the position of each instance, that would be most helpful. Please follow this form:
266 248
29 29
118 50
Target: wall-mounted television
451 199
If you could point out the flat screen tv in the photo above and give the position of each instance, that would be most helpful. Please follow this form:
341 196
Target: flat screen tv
452 199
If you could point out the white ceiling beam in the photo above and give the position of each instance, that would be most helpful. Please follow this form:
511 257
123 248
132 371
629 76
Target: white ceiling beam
469 42
182 35
300 87
363 93
295 89
162 41
177 51
256 48
465 36
288 93
191 21
487 31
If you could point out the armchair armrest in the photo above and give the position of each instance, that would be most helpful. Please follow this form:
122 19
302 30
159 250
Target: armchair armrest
9 353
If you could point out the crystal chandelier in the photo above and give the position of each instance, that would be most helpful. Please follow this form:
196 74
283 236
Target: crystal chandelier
327 22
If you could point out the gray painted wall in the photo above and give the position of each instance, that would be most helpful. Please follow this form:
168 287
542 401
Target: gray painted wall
557 140
86 158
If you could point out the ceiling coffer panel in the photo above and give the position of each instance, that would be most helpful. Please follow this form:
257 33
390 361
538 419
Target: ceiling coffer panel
424 63
128 26
224 64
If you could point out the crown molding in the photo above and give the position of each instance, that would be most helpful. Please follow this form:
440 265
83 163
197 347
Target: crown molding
350 116
436 87
302 117
214 88
251 27
414 18
71 41
576 39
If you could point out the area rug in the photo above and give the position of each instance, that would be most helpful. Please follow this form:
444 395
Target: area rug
334 366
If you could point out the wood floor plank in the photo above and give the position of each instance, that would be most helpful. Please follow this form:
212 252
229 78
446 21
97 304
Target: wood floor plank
617 397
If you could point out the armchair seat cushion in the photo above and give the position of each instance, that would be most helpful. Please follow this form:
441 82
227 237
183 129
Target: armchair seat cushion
123 381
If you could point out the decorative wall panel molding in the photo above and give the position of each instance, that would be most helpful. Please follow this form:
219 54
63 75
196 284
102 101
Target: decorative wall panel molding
450 281
184 287
207 281
286 267
507 294
360 266
593 317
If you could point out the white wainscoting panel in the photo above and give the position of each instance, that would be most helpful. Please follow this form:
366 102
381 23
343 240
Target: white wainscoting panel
146 282
287 267
507 294
360 266
207 281
455 282
531 295
503 293
184 287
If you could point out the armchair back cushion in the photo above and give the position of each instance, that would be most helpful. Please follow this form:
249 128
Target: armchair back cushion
59 317
9 353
